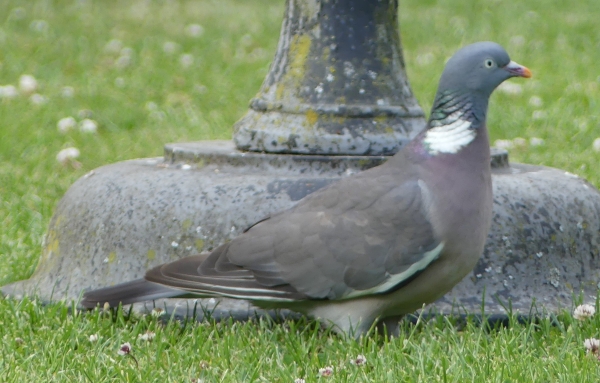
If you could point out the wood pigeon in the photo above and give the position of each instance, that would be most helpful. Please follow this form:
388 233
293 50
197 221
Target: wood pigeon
373 246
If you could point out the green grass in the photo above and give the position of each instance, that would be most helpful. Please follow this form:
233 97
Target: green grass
154 100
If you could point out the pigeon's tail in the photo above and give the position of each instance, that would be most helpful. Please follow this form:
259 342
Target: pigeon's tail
129 292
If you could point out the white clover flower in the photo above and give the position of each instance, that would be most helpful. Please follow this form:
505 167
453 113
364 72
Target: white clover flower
157 312
65 124
539 114
510 88
37 99
93 338
186 60
583 312
517 40
170 47
148 336
536 101
123 62
67 91
8 91
39 26
27 83
125 349
360 360
299 380
151 106
67 155
592 345
325 371
425 59
113 46
88 126
519 141
536 141
504 144
119 82
194 30
596 145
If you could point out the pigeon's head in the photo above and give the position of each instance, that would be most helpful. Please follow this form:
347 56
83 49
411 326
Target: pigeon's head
479 68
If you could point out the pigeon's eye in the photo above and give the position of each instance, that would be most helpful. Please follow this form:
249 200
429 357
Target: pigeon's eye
489 63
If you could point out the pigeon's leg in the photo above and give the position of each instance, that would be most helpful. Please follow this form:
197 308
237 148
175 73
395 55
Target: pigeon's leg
390 325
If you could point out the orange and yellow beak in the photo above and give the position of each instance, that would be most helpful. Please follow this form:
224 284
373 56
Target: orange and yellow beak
517 70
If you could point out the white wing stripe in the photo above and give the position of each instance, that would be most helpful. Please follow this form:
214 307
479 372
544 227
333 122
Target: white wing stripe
396 279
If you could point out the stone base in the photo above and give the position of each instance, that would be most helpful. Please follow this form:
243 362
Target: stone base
122 219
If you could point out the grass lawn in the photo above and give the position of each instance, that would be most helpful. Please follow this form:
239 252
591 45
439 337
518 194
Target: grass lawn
152 72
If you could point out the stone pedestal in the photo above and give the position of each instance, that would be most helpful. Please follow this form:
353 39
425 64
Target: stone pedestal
122 219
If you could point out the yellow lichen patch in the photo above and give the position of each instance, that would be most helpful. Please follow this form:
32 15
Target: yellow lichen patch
199 244
279 91
186 224
312 117
112 257
151 255
299 50
53 246
298 57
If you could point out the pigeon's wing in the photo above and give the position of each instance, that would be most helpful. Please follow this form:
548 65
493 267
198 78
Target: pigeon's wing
366 234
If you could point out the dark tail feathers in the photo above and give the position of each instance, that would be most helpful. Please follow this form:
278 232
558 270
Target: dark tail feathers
129 292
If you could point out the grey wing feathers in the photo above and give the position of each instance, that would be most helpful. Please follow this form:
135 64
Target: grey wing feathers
334 244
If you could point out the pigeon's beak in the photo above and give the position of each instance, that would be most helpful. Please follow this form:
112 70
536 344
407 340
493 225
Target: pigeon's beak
517 70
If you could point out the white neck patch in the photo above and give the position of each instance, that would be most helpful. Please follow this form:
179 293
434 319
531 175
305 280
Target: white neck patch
449 138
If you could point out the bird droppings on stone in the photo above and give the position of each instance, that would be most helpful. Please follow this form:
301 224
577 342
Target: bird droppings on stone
478 276
539 254
554 277
330 77
186 167
174 244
